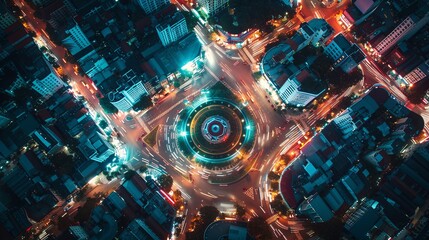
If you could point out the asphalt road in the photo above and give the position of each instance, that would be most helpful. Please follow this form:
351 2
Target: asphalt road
275 133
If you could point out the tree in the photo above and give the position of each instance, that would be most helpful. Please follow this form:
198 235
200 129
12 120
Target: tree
240 211
177 198
129 174
273 176
301 56
53 35
274 186
63 163
24 95
208 214
259 229
143 103
191 20
107 106
176 84
143 168
103 124
278 205
166 182
282 37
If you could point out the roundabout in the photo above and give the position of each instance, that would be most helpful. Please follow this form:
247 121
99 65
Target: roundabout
215 132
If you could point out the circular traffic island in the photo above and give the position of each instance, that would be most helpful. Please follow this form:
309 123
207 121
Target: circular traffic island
214 132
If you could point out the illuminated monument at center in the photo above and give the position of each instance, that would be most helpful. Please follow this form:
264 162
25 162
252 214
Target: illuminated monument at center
216 129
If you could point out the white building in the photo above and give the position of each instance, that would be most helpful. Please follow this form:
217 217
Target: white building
93 65
337 47
48 85
129 93
76 39
405 30
212 7
418 73
95 147
301 88
347 56
149 6
316 31
172 29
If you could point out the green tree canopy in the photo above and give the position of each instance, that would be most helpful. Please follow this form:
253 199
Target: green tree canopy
208 214
240 211
103 124
166 182
278 205
273 176
107 106
143 103
63 163
129 174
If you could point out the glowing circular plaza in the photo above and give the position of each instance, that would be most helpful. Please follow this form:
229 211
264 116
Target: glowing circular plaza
214 131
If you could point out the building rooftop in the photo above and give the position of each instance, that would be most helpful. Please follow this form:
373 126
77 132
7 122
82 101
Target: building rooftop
328 159
363 5
342 42
226 229
310 83
178 16
176 55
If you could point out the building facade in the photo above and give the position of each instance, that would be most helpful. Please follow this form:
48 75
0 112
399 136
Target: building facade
172 29
347 56
129 93
6 17
150 6
418 73
212 7
301 88
48 85
76 39
404 30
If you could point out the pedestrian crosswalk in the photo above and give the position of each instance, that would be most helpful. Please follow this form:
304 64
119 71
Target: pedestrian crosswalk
250 192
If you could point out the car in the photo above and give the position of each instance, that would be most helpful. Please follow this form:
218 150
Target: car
67 207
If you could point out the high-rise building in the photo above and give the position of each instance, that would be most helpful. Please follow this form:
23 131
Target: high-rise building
149 6
95 147
172 29
212 7
404 30
75 39
128 93
418 73
347 56
48 85
301 88
316 31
